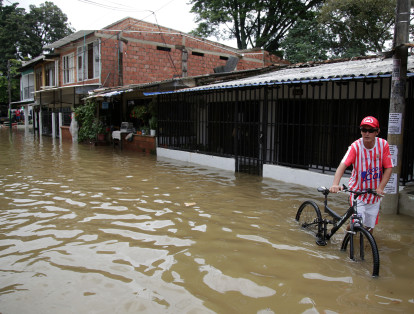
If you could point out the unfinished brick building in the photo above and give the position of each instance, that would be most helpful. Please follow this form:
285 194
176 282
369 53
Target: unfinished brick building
124 53
136 52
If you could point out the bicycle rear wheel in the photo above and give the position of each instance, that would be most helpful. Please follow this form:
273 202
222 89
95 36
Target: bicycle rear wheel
362 248
310 218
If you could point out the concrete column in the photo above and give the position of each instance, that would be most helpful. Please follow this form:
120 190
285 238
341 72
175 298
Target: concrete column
60 124
397 104
26 116
53 124
40 121
74 129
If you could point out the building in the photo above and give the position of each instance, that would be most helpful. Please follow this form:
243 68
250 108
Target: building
297 119
126 52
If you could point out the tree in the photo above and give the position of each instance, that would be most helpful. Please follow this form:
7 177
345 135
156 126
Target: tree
14 82
23 35
360 26
11 32
45 24
253 23
307 41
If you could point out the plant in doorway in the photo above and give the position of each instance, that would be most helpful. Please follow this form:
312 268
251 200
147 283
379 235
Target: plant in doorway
140 113
153 122
89 125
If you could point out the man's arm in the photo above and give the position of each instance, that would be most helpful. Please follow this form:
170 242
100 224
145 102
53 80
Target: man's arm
338 175
384 180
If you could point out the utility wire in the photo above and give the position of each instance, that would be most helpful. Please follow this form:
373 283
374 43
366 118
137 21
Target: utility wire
111 7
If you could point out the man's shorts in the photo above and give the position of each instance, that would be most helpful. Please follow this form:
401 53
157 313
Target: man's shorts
369 213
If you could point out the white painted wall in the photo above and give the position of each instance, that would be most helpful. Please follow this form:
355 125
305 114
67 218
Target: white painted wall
201 159
299 176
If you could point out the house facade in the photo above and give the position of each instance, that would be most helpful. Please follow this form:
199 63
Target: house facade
291 124
27 87
127 52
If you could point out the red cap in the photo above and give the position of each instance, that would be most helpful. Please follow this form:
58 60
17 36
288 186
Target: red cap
371 121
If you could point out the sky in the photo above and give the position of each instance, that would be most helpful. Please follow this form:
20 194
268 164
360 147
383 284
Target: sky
95 14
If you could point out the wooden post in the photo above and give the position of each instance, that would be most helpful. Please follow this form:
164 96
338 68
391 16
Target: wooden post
397 104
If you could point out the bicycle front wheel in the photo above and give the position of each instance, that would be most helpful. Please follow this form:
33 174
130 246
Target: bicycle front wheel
362 248
310 218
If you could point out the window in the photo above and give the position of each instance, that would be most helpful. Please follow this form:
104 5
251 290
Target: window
196 53
27 86
80 56
163 48
88 61
94 55
68 69
50 74
38 77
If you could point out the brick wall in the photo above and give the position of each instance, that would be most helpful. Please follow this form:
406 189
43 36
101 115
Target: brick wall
154 53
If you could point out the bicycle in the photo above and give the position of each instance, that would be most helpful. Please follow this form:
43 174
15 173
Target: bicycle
358 241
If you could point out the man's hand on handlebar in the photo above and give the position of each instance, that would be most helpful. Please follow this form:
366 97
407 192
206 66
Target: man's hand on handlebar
379 192
335 188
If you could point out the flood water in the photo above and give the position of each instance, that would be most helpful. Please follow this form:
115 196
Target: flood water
89 229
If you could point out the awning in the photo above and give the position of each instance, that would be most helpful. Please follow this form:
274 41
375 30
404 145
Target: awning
109 94
79 89
22 102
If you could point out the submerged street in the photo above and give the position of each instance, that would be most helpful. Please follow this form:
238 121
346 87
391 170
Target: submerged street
87 229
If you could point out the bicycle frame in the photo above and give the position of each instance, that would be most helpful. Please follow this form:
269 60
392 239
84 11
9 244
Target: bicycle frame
337 221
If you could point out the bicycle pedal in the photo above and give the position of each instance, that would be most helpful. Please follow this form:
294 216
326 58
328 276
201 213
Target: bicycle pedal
321 242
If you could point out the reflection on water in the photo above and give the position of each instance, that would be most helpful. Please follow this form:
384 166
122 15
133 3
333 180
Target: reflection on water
92 229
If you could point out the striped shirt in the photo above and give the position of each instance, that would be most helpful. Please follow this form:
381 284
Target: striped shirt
368 166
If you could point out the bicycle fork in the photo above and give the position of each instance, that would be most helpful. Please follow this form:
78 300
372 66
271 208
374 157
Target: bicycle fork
356 220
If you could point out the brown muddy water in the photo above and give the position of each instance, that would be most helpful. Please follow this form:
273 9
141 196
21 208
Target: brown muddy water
94 230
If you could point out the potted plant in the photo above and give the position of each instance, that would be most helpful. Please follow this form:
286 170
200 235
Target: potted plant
153 122
99 129
141 113
145 130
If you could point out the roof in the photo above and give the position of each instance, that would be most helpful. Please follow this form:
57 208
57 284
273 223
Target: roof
312 72
51 89
22 102
31 63
66 40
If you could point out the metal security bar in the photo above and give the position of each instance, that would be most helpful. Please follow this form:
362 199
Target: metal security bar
66 117
295 124
46 122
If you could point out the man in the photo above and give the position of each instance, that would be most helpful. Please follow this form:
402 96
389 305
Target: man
372 166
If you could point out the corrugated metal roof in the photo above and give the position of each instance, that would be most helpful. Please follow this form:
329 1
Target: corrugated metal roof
352 69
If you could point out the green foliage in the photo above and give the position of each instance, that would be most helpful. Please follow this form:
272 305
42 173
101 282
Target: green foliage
24 34
360 26
45 24
307 41
316 29
11 33
253 23
153 123
89 126
142 113
15 83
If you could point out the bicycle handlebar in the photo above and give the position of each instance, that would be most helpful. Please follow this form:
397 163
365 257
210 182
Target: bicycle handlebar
325 191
